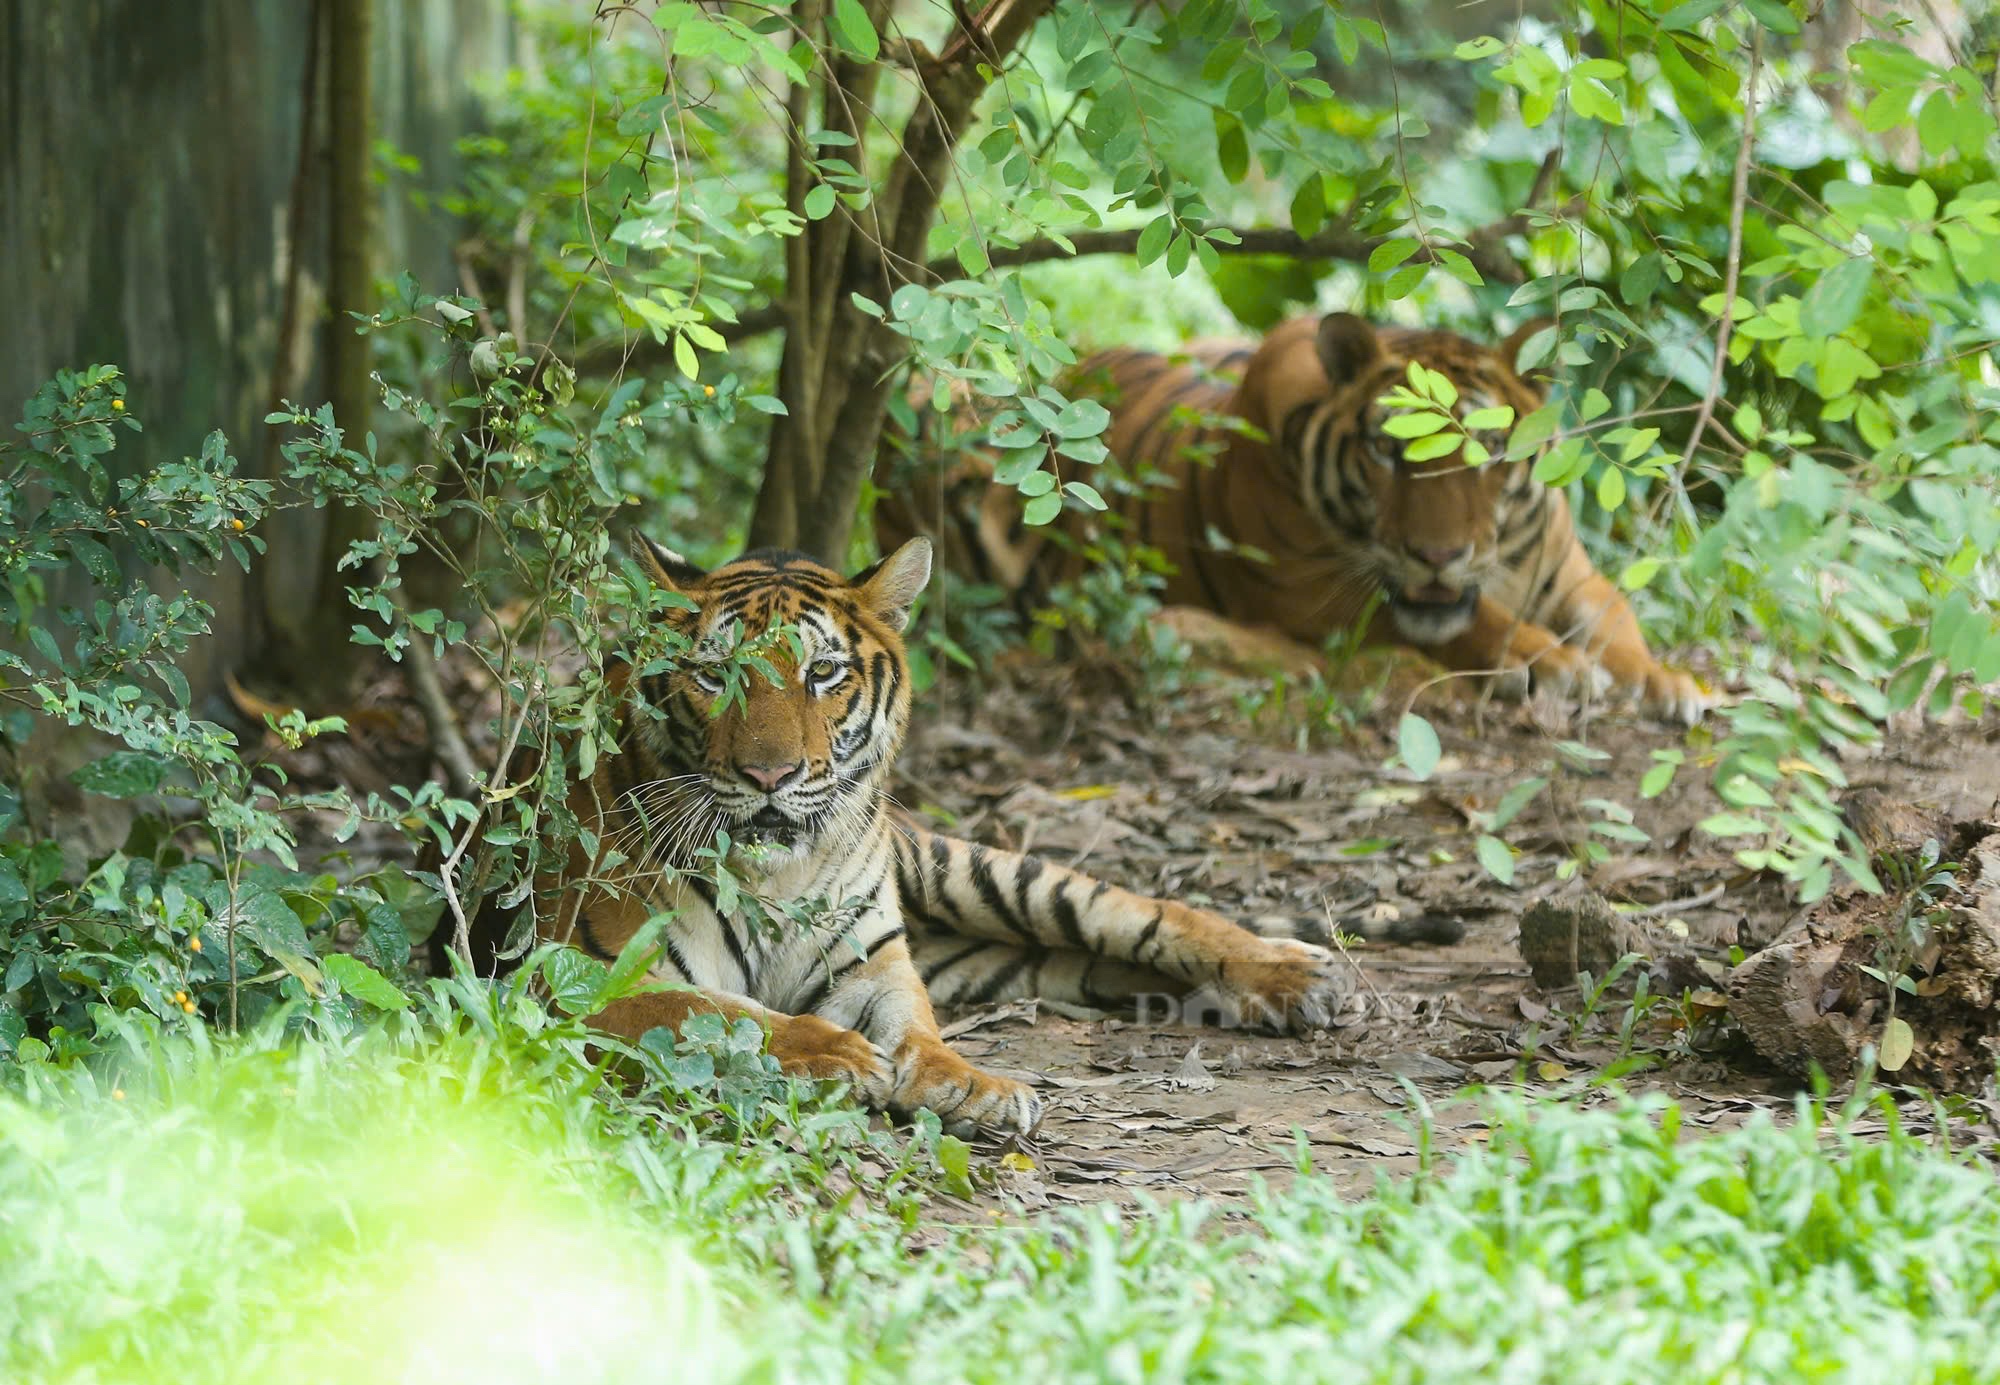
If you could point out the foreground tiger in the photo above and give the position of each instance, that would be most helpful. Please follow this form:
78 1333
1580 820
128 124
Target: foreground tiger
795 774
1325 522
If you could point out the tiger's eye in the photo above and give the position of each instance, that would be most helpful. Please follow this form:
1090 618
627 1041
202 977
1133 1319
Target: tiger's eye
823 669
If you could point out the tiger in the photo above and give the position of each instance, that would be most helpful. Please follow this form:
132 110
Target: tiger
793 766
1264 474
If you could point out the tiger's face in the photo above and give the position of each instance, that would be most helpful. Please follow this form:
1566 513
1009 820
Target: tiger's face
788 758
1431 532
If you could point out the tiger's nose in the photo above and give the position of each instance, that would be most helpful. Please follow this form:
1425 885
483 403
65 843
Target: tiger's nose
1439 558
768 777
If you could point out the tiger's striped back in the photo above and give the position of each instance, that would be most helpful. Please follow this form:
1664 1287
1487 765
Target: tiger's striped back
1297 513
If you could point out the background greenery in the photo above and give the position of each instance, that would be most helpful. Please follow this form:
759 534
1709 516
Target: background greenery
710 255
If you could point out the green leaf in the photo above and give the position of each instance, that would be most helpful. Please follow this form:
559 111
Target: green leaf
1591 99
1042 509
955 1158
1496 856
856 34
1431 448
1657 778
1153 240
1534 430
1515 799
1832 304
1773 16
819 202
1641 277
574 979
1638 574
363 982
1473 49
122 774
1085 492
1689 13
1232 149
1417 740
1414 425
1732 825
1309 207
1391 253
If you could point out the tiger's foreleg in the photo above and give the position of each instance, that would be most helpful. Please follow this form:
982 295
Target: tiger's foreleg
1053 916
1602 621
884 999
1518 654
804 1045
875 1032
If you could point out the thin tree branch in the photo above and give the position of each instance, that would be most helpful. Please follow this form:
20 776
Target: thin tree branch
1738 195
447 740
1483 250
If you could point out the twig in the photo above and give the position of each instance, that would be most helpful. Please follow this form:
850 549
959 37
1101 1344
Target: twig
447 741
468 284
1333 933
516 298
1739 192
1673 906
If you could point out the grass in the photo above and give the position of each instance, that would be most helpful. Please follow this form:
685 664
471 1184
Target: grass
414 1206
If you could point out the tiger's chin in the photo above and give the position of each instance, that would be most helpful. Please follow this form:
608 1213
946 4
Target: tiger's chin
1430 616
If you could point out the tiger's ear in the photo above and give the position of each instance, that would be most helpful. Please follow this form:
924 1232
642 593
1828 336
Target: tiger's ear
1347 346
667 569
1510 349
892 586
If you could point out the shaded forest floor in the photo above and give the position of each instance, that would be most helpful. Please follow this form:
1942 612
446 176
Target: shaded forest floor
1198 799
1208 797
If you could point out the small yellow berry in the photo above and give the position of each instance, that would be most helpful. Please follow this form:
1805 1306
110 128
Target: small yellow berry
117 406
708 390
140 522
237 525
180 997
194 944
117 1093
189 1007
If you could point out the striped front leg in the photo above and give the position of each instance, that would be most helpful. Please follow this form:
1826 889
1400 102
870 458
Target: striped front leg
993 925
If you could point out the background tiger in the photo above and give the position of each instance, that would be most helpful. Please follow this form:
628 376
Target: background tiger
796 774
1478 566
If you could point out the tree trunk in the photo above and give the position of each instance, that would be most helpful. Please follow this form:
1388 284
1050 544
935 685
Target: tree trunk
311 647
839 362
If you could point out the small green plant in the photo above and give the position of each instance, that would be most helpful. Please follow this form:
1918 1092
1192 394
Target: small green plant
1919 883
204 909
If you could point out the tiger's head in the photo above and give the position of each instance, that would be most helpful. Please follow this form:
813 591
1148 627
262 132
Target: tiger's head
1428 532
782 720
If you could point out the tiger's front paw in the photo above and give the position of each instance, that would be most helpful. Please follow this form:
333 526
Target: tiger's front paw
966 1100
1556 670
808 1046
1285 986
1672 695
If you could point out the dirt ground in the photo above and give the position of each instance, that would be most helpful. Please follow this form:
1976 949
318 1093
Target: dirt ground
1204 797
1195 800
